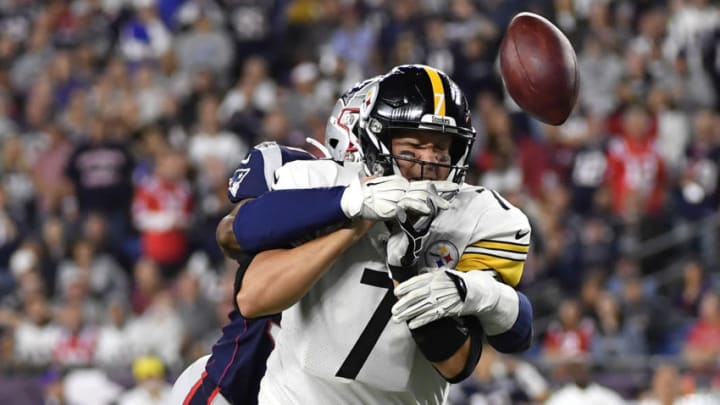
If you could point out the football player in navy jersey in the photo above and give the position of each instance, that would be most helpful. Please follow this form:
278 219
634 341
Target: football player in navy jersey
232 372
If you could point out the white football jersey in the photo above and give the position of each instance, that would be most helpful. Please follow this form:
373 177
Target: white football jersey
338 344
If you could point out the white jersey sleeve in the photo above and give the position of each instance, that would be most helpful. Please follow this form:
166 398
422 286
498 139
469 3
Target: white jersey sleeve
501 238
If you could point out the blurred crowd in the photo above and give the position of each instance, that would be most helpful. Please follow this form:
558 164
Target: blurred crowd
121 120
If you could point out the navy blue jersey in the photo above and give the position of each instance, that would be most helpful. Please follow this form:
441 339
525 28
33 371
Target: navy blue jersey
237 361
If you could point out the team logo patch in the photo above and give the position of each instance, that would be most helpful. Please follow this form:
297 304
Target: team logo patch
236 179
369 100
441 254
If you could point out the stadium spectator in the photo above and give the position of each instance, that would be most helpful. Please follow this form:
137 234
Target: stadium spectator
35 333
614 336
196 312
113 351
582 389
253 95
664 388
702 351
151 387
144 36
570 335
501 379
75 345
99 170
695 284
204 47
162 207
17 180
48 167
210 141
94 275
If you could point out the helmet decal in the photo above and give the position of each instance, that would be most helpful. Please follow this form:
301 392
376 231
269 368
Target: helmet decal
368 101
438 91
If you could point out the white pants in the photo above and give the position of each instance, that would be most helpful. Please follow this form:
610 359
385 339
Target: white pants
187 383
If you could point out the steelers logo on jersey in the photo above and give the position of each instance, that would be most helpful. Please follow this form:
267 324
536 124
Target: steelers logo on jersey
441 253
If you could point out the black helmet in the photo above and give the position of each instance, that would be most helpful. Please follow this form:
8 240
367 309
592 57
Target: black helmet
414 97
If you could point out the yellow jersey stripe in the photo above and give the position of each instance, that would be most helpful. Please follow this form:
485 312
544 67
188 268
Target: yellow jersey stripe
438 90
510 270
498 245
508 254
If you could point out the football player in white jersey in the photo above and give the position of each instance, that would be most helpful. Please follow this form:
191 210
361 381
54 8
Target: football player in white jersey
264 220
457 265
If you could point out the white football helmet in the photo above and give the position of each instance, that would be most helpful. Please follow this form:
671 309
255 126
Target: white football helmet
340 139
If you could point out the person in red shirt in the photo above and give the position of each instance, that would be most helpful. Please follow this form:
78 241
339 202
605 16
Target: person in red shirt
75 346
636 172
702 344
162 206
570 335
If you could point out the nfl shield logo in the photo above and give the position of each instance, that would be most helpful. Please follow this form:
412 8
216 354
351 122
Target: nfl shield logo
441 254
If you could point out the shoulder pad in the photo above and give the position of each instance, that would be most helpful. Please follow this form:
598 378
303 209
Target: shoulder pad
256 173
312 174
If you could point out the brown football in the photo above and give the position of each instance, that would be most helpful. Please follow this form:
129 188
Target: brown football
539 68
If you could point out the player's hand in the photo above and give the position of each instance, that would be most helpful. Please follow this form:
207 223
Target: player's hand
443 293
424 197
375 199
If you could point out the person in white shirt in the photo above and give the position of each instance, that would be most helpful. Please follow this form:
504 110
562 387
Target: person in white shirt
582 390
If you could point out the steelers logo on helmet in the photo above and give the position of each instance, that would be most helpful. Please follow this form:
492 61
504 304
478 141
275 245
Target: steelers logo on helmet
441 253
414 97
369 100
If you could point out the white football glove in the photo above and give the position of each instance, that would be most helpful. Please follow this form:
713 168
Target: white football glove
443 293
425 196
376 199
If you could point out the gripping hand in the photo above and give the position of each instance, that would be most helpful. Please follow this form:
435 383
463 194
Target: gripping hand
443 293
425 197
375 199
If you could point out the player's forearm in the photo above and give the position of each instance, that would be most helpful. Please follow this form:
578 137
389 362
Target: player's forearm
509 325
276 219
453 366
276 279
452 345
